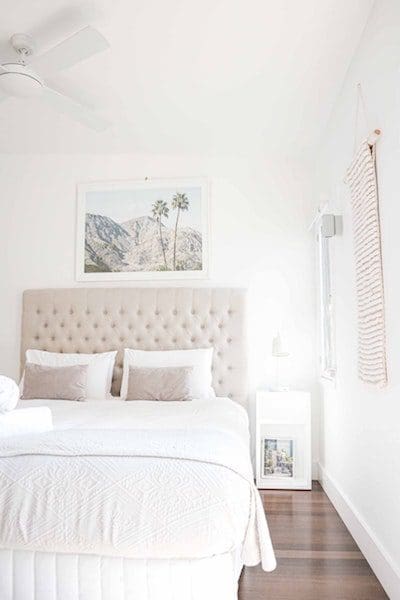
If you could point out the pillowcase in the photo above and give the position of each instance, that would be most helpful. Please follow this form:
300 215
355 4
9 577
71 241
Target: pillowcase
99 375
162 383
60 383
200 359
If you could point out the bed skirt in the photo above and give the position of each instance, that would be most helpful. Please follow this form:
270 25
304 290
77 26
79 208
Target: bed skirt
28 575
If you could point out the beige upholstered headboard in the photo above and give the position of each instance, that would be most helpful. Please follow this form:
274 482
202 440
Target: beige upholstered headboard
98 320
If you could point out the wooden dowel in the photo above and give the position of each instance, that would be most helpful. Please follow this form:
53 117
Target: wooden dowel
373 137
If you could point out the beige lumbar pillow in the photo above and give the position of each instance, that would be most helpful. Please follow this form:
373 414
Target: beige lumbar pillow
160 383
58 383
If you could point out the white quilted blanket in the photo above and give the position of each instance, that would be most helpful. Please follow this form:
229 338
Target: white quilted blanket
135 479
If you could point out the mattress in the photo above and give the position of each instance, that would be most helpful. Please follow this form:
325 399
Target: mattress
27 575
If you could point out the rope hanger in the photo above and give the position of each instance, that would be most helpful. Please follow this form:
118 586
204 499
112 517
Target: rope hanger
374 135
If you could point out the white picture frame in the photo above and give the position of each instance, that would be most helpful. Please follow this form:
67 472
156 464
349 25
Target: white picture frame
119 204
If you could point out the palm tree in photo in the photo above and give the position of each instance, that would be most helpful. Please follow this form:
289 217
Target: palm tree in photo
179 202
159 210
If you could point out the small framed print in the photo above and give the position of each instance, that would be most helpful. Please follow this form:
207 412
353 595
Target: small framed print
277 457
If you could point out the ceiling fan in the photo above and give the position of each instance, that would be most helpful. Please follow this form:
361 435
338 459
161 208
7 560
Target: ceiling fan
25 77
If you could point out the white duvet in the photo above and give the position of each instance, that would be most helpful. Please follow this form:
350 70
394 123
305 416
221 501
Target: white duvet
136 479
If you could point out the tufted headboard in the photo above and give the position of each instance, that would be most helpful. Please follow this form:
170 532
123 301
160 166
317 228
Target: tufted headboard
98 320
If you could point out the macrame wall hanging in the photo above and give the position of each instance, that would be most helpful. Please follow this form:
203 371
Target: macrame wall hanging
361 178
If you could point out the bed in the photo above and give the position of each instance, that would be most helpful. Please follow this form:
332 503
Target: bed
133 500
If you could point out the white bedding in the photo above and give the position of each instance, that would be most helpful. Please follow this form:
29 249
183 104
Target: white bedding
135 479
25 421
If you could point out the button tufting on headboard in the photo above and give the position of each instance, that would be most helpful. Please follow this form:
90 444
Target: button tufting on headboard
84 320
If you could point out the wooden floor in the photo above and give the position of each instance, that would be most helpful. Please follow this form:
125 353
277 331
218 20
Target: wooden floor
316 555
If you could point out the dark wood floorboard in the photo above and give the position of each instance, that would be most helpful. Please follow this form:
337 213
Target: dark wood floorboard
316 555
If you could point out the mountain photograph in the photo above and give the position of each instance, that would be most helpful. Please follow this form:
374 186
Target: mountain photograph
143 230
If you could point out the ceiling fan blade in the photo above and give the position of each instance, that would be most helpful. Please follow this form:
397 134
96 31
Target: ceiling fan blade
78 47
79 112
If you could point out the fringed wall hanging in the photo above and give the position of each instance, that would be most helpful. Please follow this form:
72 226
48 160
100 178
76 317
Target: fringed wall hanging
361 178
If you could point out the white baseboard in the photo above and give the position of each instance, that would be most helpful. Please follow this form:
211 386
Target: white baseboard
380 561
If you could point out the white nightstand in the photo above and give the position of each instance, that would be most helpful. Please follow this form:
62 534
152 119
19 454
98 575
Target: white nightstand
283 440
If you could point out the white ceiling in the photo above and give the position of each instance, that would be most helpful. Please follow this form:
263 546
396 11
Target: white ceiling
189 76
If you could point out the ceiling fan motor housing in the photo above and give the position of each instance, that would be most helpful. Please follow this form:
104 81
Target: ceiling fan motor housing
23 44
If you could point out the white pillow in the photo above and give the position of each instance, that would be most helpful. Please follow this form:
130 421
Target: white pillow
199 359
99 374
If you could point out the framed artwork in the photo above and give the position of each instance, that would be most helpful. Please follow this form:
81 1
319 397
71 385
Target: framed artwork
154 229
277 457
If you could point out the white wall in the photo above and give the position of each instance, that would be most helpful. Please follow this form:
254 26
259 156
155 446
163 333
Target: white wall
360 446
259 213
